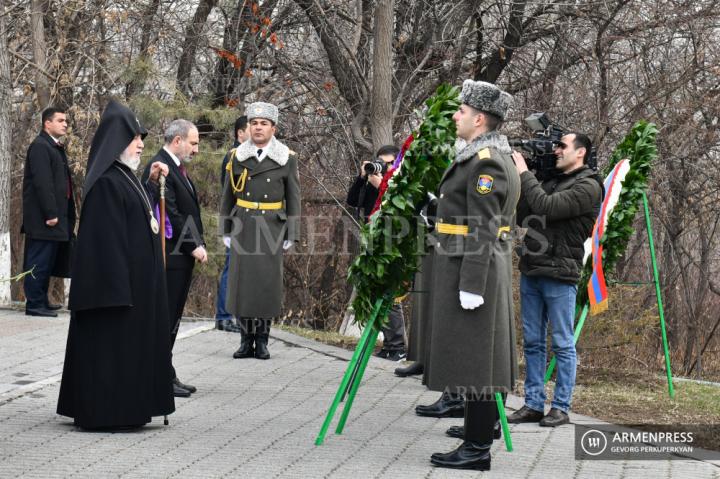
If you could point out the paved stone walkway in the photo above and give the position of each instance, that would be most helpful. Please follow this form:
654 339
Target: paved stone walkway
259 419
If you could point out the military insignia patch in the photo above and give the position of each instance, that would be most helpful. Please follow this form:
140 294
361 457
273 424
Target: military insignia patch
484 184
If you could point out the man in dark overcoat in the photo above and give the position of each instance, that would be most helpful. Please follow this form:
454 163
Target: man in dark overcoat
473 340
259 212
48 211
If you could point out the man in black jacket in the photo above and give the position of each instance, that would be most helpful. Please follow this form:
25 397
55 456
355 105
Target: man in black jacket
362 195
186 245
559 213
48 210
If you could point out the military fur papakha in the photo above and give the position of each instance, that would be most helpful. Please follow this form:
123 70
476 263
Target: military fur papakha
261 109
486 97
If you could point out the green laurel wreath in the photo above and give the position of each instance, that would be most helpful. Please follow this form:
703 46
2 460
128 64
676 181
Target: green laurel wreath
639 147
389 253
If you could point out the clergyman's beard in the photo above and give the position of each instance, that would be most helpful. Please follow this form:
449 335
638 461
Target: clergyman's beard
130 160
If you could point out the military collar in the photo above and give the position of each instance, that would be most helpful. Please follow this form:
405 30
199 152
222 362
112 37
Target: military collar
275 150
465 151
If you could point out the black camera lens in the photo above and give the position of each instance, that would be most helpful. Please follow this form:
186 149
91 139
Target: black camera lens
375 168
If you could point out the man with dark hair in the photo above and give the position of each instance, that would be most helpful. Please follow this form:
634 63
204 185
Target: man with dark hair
362 195
559 214
186 245
472 344
48 211
223 319
260 216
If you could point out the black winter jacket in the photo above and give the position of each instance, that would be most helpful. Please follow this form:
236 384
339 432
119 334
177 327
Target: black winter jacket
47 191
362 195
559 214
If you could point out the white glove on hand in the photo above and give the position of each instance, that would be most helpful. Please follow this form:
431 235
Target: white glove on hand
470 300
226 241
287 244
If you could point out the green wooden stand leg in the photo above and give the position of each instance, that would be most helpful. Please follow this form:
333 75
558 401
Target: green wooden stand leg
503 422
578 329
359 350
356 382
658 294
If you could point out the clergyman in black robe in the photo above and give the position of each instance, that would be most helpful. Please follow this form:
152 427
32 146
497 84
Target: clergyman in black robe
117 362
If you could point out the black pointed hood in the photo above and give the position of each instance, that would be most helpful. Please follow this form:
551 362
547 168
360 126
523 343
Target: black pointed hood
118 126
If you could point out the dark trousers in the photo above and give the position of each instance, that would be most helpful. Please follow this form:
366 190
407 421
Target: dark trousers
394 331
178 286
481 414
40 255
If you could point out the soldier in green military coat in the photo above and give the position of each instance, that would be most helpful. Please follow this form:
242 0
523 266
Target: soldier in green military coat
473 340
260 211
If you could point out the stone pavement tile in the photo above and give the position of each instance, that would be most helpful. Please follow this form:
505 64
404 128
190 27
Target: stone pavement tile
259 419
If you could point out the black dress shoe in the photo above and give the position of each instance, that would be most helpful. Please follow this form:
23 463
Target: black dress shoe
54 307
458 432
447 406
469 455
413 370
179 392
227 325
555 418
525 414
189 388
41 312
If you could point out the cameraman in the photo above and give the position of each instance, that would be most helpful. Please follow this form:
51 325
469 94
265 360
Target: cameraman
559 214
362 195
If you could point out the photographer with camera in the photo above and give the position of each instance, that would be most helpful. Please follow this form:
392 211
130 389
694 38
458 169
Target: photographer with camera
559 211
362 195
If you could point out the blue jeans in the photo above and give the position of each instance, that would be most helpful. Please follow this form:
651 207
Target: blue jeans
220 312
544 300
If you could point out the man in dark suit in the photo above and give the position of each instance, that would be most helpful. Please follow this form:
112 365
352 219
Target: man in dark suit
48 210
185 244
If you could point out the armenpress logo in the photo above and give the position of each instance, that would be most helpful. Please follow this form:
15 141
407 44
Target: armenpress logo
593 442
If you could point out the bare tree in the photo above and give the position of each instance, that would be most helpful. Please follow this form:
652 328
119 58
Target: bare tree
381 119
5 161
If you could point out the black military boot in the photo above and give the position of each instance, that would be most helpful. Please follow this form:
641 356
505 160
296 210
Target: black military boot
247 339
458 432
469 455
449 405
261 340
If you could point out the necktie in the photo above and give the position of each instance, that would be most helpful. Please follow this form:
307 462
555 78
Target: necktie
183 170
259 152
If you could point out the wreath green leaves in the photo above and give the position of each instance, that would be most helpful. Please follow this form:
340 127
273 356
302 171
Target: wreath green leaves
394 238
640 149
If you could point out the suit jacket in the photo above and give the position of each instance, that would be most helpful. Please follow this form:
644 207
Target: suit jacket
183 211
46 186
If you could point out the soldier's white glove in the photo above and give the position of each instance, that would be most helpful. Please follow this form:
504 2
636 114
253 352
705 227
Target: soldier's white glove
470 300
226 241
287 244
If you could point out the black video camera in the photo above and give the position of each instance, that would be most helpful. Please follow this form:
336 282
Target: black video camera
377 167
540 150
